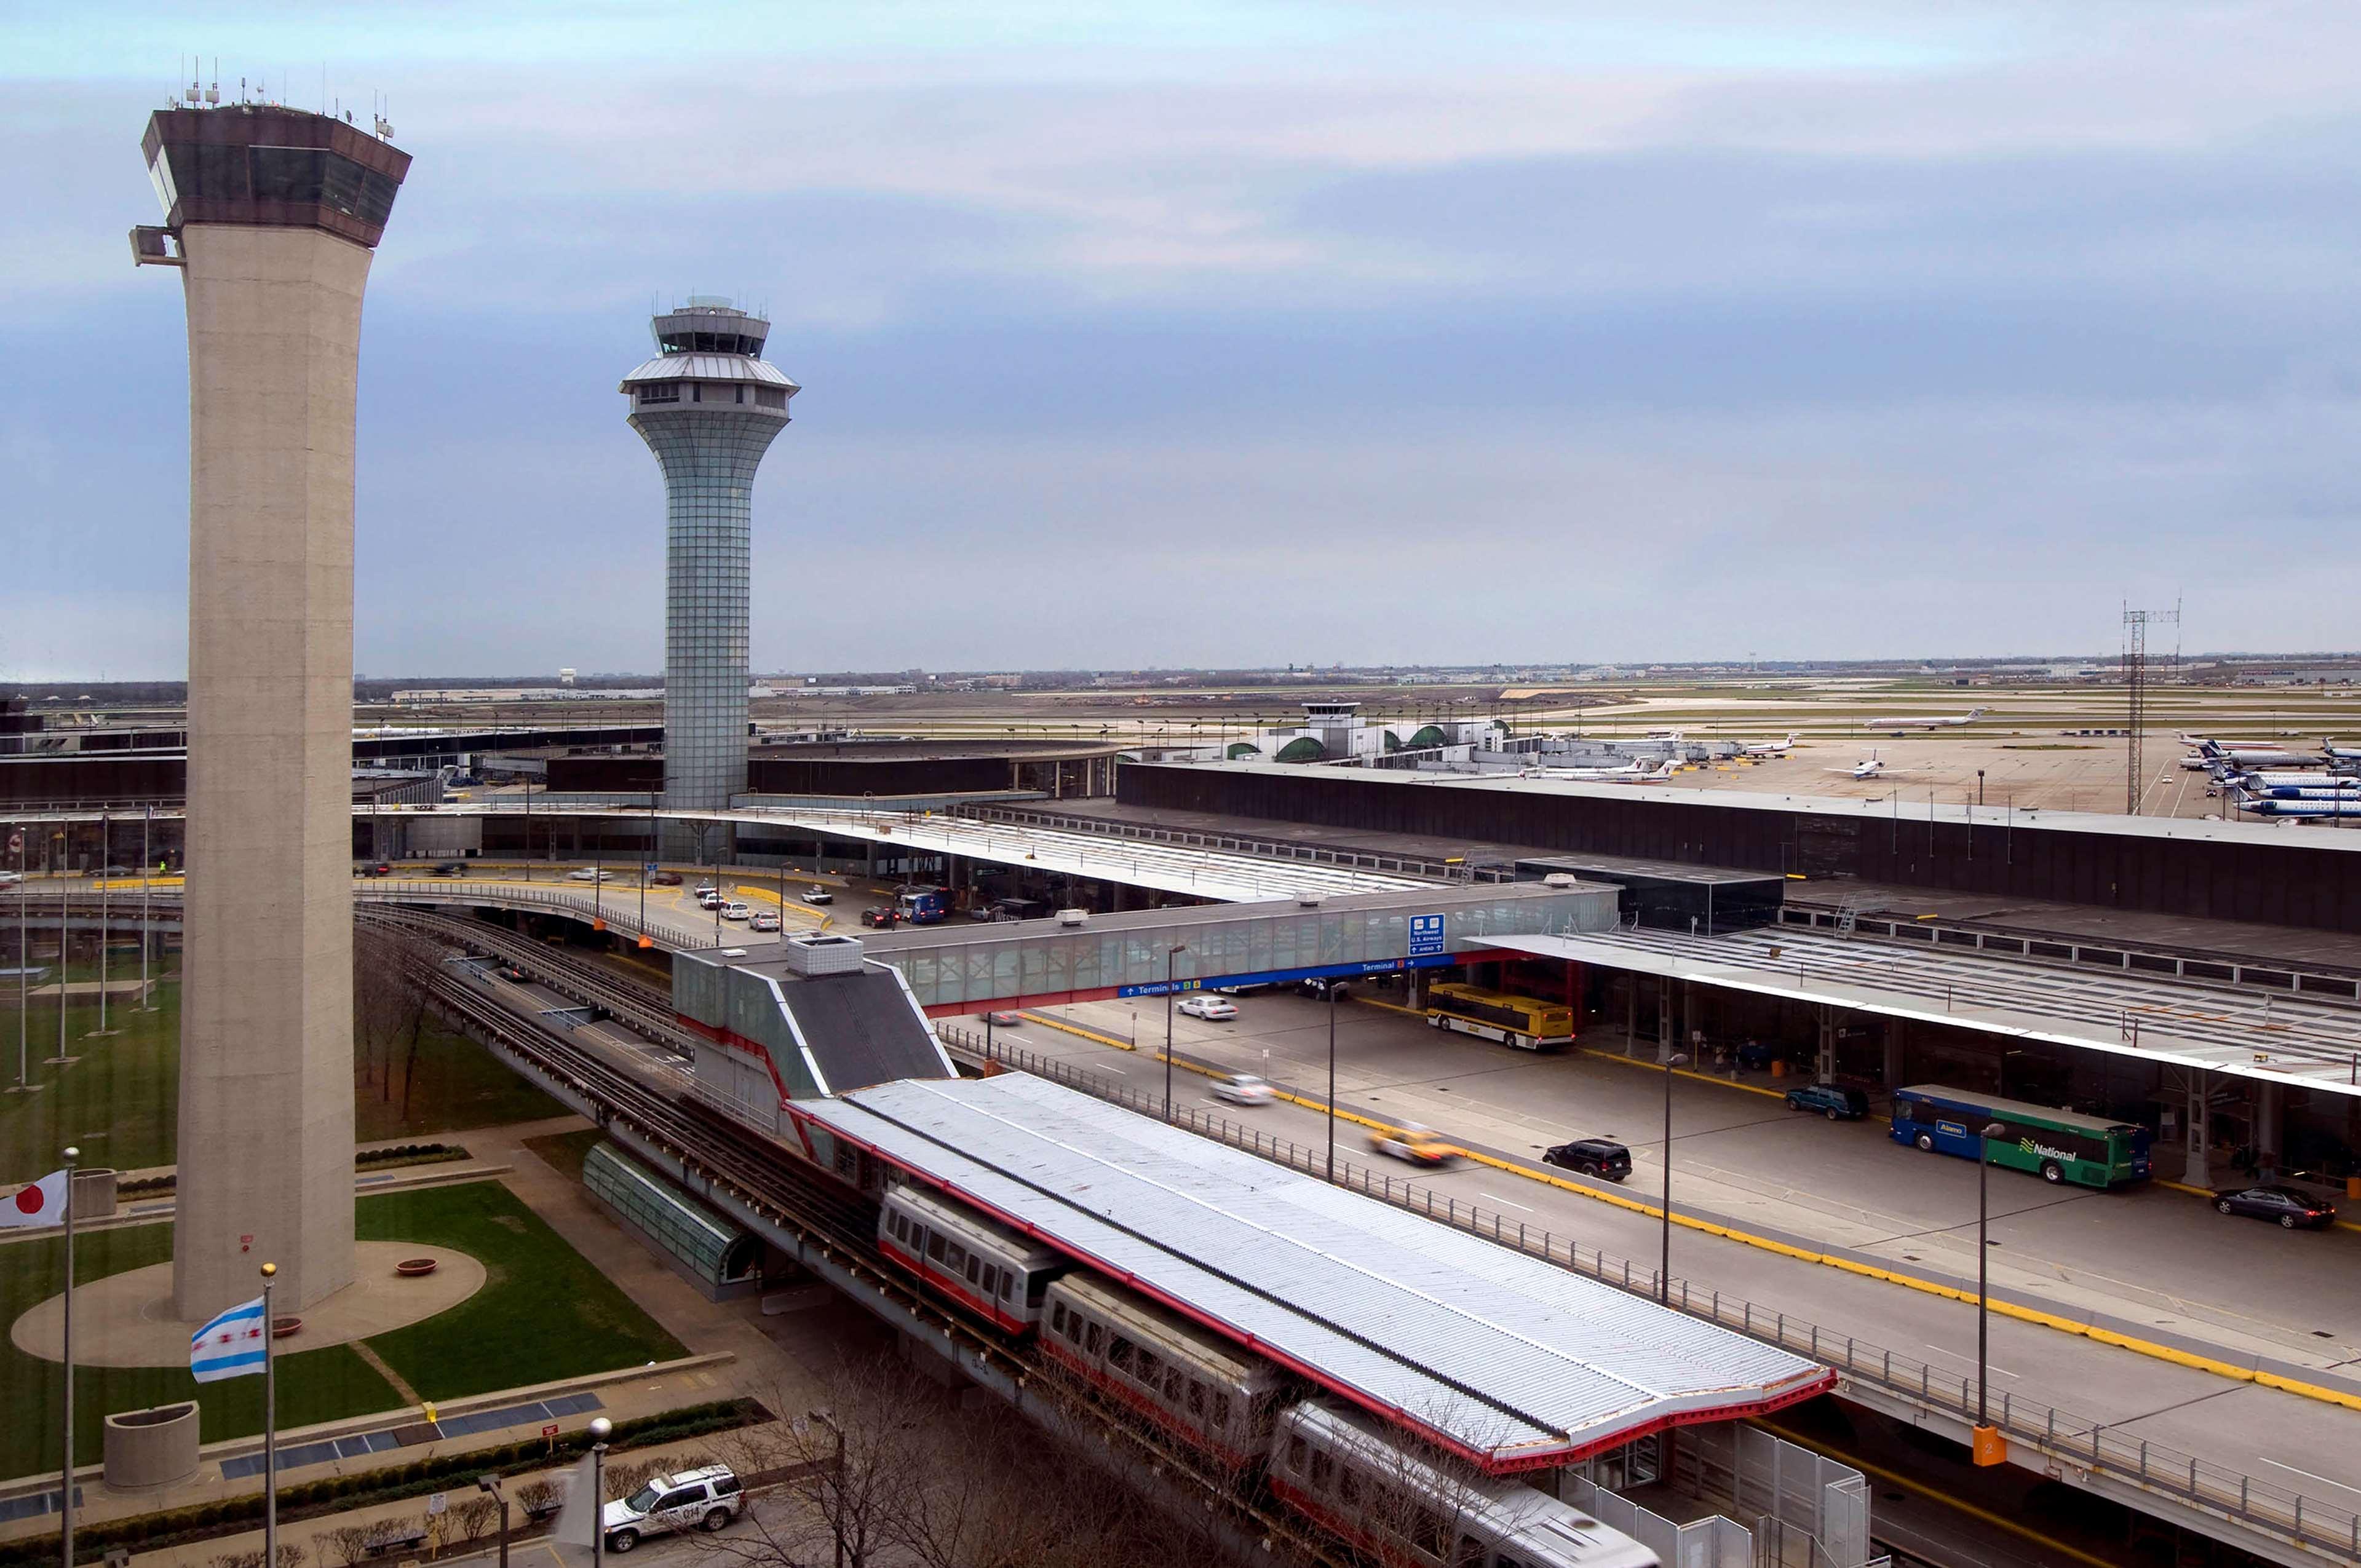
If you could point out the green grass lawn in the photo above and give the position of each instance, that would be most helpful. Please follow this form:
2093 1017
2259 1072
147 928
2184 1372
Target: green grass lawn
120 1102
543 1313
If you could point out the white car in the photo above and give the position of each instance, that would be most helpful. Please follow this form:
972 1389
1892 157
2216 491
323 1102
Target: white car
1242 1089
765 921
706 1498
819 895
589 873
706 890
710 899
1215 1009
9 879
735 911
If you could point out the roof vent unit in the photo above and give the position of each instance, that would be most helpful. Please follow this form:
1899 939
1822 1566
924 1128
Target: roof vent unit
1559 879
820 953
1311 900
1073 916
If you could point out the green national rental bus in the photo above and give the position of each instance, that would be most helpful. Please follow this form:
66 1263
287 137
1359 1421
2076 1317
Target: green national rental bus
2061 1145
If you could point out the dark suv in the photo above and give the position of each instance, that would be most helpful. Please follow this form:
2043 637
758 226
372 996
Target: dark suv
1832 1100
1592 1156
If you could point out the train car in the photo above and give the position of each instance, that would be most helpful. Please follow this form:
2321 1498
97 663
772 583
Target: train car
1334 1467
1179 1376
987 1268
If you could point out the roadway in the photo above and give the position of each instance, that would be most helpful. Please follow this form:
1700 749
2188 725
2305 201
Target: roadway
2157 1257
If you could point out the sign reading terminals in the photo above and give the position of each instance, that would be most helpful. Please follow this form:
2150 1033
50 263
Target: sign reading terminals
1425 936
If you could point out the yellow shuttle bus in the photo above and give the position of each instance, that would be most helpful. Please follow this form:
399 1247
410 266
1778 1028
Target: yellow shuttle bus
1519 1021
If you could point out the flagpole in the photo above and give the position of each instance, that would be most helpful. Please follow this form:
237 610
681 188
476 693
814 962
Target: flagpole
66 1496
270 1427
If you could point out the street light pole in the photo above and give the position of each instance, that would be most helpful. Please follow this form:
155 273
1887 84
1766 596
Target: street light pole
1170 954
1983 1285
1332 1081
1664 1255
491 1486
601 1429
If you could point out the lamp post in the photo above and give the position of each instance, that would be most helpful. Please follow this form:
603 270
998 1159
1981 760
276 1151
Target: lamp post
1664 1253
1984 1286
24 960
1332 1081
66 1496
491 1486
601 1429
1170 953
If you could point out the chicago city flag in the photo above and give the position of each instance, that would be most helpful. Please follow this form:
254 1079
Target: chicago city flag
42 1202
229 1346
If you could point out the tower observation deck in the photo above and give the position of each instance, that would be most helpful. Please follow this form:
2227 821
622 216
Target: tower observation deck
708 406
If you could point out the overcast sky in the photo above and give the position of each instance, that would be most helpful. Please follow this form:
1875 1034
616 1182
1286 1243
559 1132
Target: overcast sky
1234 334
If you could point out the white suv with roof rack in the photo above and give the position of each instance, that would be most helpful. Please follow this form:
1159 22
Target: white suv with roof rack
704 1498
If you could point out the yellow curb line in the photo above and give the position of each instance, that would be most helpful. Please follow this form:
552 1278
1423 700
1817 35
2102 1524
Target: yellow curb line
1392 1006
1682 1072
1893 1478
1805 1255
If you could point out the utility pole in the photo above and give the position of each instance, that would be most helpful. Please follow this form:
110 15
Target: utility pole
2135 625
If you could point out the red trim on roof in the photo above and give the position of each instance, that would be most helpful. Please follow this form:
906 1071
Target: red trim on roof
1492 1462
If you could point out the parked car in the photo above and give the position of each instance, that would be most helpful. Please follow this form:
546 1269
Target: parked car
1003 1020
733 910
816 895
706 1498
1212 1009
1832 1100
1241 1089
2285 1205
878 915
1754 1056
1592 1156
1319 988
764 921
1419 1146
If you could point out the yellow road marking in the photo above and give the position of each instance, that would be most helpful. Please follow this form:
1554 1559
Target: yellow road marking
1804 1254
1891 1477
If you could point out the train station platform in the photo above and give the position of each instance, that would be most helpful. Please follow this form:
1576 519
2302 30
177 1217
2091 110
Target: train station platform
1507 1361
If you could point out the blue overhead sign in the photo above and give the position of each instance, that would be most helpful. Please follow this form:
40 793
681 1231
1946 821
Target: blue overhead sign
1425 936
1281 976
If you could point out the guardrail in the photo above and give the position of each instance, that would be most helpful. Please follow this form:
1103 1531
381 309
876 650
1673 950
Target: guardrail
616 912
1235 843
2259 1505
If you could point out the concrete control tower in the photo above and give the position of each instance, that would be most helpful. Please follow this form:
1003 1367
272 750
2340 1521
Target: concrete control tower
272 215
709 407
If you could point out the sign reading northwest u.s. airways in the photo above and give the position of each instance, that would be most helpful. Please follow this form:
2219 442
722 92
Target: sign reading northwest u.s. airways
1425 936
232 1345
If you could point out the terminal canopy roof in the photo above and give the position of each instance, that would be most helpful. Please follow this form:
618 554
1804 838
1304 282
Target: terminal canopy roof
1498 1357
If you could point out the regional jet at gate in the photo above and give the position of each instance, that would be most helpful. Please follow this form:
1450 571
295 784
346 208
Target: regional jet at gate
1630 773
1949 721
2245 754
1769 748
2301 810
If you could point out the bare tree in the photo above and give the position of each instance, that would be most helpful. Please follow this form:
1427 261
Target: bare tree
343 1546
380 1008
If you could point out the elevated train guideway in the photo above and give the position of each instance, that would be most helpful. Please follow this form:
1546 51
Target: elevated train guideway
1500 1359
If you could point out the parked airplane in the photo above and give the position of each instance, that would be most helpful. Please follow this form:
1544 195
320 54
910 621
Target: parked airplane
1869 767
2288 786
1769 748
2330 748
2301 810
1631 772
2245 754
1941 722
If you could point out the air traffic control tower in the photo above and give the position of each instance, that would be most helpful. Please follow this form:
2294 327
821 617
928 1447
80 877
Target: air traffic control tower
709 407
272 215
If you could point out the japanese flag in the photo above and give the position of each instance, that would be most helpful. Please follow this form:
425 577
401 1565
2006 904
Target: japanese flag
42 1203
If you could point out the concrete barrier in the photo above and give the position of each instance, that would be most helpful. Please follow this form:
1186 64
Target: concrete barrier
153 1447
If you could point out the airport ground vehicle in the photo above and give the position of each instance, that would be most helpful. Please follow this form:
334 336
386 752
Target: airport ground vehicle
1519 1021
2061 1146
1241 1089
2283 1205
1213 1009
706 1498
1419 1146
1265 1425
1592 1156
921 905
1832 1100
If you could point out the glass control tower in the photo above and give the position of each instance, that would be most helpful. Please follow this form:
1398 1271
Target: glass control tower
709 407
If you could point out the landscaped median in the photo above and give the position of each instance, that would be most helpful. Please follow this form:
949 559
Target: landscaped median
542 1314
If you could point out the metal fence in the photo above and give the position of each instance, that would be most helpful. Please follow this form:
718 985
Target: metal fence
2259 1504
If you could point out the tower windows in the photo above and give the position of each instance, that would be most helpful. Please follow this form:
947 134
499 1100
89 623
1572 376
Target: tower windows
659 392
